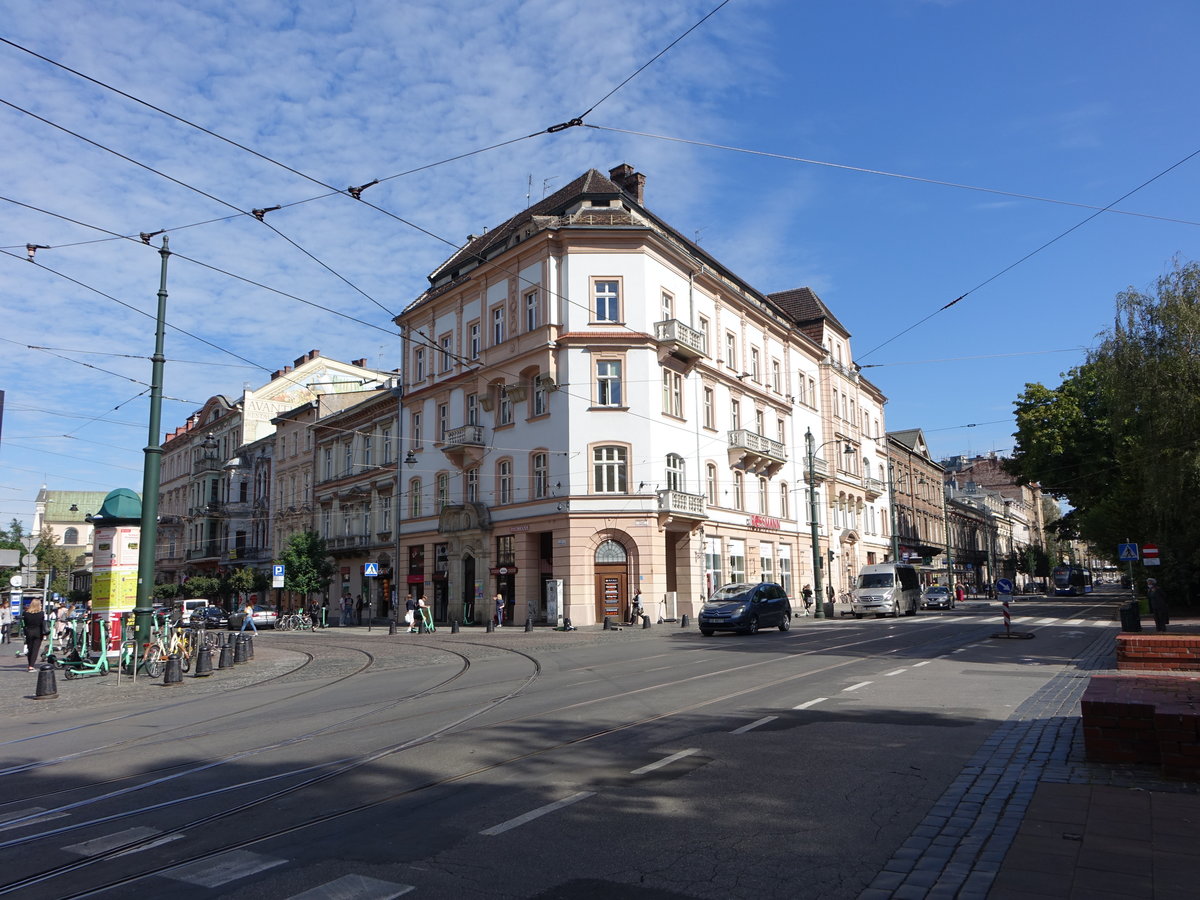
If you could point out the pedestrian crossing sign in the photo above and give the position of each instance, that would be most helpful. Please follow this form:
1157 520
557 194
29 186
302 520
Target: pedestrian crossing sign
1127 552
370 570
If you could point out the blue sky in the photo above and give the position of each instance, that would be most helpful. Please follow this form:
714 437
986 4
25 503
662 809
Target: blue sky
1068 101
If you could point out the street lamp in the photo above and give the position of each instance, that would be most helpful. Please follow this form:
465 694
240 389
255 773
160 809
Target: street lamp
812 515
410 460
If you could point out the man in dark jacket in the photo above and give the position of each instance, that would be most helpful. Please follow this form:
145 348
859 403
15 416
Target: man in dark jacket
1158 604
33 623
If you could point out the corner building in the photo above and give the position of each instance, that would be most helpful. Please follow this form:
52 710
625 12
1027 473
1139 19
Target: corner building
588 397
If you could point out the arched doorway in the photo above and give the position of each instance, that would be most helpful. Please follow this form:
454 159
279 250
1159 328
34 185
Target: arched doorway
612 580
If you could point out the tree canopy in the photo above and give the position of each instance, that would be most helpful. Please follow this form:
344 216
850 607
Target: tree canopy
307 566
1119 438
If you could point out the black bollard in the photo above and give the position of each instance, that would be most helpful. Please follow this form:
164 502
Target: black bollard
239 650
249 647
203 663
392 627
174 670
645 621
491 626
528 624
225 659
607 624
683 621
454 626
47 687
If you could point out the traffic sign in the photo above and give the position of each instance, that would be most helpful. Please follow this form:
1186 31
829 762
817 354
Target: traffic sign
370 570
1127 552
29 559
1150 554
277 573
1004 586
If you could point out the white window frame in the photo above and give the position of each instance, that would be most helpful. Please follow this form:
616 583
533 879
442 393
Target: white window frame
610 469
609 383
606 300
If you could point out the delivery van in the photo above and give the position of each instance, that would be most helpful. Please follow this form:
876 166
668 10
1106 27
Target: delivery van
886 589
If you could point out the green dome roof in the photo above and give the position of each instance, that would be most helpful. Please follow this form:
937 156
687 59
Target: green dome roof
123 503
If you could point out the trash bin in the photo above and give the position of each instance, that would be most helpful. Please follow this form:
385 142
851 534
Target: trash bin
1131 616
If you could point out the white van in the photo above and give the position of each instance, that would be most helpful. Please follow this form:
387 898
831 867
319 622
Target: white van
887 589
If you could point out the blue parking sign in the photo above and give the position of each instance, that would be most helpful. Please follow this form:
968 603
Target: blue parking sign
277 571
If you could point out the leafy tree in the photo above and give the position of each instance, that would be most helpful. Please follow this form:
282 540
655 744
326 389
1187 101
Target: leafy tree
308 569
1119 439
168 591
202 586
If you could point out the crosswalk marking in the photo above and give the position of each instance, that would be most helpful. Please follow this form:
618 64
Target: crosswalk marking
355 887
218 870
23 817
99 845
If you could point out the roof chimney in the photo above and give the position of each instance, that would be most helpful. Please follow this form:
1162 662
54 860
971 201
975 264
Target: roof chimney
361 363
631 182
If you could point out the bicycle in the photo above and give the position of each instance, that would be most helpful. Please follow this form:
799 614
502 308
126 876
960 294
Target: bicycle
300 621
176 641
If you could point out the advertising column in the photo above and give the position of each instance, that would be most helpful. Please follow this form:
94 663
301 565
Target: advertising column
114 579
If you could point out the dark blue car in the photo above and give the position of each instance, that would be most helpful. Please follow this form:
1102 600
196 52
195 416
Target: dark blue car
746 608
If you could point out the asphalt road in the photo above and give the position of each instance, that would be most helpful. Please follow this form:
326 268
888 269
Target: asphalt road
638 763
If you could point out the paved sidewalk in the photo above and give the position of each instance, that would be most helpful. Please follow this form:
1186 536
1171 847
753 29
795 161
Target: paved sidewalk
1030 817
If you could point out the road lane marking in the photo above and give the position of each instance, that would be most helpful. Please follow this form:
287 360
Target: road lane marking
358 887
1050 621
658 668
807 703
959 650
665 761
536 813
992 620
855 687
218 870
1077 622
922 663
763 721
894 672
99 845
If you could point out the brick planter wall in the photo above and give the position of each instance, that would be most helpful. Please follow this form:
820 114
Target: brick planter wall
1144 719
1158 652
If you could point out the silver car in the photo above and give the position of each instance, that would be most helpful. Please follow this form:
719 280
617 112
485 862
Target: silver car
937 596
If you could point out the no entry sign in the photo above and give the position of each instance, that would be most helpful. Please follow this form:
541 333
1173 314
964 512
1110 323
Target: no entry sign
1150 554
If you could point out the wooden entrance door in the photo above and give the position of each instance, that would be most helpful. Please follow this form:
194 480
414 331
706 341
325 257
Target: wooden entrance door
611 591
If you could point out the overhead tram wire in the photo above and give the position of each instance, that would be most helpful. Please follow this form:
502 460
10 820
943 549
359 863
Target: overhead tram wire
1035 251
259 214
883 173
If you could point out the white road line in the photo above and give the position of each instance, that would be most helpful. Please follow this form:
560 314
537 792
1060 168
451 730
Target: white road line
6 820
165 839
536 813
922 663
223 869
355 887
763 721
1050 621
894 672
1077 622
99 845
959 650
665 761
855 687
658 668
807 703
992 620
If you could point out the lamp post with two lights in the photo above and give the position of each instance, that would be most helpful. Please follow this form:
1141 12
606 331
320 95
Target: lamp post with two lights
812 449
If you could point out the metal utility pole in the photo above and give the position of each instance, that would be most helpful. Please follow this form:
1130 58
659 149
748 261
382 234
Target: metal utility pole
152 468
819 612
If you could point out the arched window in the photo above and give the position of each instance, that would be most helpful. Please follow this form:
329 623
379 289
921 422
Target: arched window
611 552
784 502
71 537
710 483
739 491
504 476
675 466
541 475
763 504
414 496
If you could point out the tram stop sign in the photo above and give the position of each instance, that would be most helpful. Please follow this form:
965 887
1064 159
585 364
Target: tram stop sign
1150 555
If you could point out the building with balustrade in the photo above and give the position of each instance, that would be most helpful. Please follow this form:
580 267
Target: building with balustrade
593 401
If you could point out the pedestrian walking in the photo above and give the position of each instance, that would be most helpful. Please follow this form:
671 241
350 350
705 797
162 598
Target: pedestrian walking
426 622
33 623
410 613
635 607
807 593
347 610
960 593
1158 604
499 601
6 621
249 620
358 607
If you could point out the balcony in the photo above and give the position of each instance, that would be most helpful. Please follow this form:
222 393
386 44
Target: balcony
464 446
206 464
229 509
874 488
204 512
208 550
755 453
820 470
678 504
346 542
680 340
248 554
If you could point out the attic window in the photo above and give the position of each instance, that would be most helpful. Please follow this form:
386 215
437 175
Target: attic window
600 203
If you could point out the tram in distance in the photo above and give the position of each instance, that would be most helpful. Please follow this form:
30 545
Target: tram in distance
1071 581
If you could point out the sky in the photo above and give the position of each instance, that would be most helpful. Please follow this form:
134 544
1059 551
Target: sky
893 155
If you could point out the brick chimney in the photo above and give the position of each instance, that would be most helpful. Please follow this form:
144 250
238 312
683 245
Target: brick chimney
361 363
631 182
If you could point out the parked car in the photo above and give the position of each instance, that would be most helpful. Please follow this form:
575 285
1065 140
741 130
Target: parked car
746 608
264 617
937 596
209 617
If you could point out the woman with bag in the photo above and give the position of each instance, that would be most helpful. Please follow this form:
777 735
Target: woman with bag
33 622
410 613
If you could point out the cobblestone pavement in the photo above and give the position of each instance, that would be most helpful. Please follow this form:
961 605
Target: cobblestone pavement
959 848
